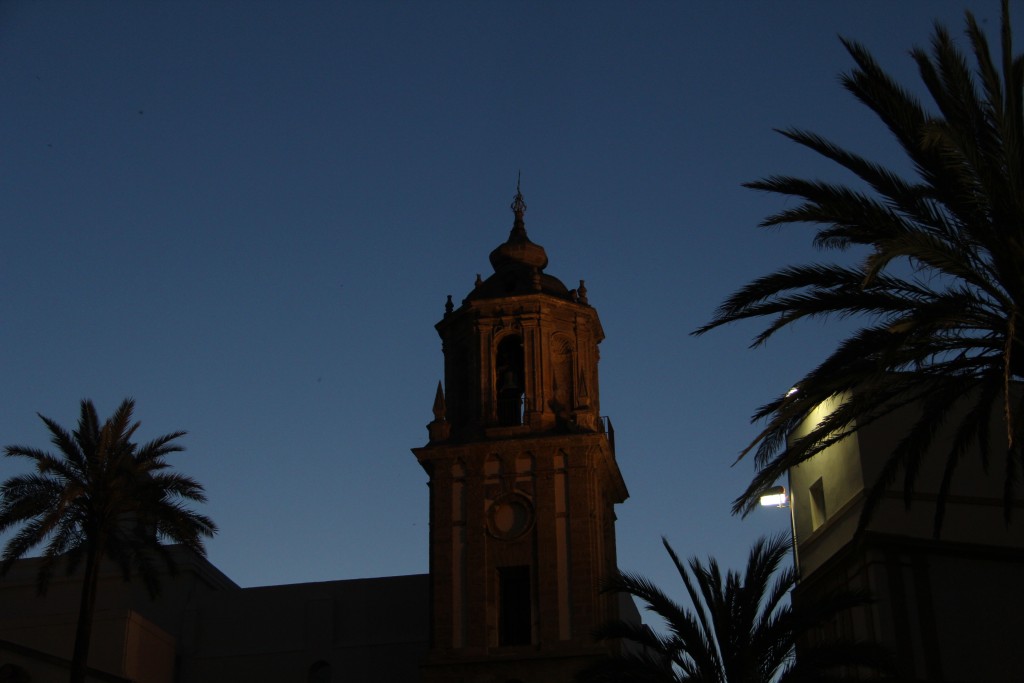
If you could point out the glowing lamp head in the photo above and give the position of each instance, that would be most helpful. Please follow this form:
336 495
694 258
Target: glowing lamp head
774 497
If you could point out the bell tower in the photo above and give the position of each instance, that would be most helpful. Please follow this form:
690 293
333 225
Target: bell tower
523 479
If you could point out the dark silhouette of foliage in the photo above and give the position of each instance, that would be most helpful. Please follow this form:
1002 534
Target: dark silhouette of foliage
741 629
101 496
941 288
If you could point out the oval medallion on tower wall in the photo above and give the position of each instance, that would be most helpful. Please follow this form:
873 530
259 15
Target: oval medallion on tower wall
510 517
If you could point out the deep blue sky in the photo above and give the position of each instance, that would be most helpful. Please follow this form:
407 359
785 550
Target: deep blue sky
247 215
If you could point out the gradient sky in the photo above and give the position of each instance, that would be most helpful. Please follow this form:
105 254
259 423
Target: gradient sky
247 215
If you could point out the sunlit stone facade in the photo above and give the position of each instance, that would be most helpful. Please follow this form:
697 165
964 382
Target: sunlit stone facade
948 607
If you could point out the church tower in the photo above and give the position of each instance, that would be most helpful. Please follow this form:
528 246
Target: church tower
523 479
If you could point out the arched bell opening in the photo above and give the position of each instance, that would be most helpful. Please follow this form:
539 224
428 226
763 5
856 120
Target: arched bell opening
510 380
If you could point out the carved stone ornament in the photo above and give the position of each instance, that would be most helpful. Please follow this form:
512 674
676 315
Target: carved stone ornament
510 517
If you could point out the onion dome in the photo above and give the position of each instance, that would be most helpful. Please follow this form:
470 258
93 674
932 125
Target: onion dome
519 264
518 250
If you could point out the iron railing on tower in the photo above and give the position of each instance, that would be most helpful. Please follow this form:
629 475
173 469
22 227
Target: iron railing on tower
609 430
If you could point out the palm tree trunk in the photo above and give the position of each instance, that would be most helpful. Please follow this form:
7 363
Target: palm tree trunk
86 608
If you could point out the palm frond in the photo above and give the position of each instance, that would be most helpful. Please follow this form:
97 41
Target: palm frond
738 627
941 285
86 492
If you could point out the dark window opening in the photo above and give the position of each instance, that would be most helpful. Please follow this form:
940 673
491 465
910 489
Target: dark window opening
12 673
320 672
509 376
515 625
818 512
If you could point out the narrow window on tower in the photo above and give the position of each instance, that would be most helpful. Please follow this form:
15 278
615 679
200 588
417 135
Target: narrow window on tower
509 377
515 623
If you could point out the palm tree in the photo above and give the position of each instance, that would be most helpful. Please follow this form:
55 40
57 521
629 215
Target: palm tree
740 629
102 496
941 288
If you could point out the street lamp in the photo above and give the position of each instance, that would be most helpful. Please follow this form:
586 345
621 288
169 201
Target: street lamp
776 496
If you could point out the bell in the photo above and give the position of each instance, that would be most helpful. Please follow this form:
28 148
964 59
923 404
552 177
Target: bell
509 381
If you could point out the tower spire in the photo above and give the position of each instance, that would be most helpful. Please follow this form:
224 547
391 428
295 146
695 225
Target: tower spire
519 208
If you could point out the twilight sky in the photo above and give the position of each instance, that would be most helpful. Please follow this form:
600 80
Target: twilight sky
247 215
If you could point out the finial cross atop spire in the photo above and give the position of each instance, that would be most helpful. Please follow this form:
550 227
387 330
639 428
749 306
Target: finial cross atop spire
518 203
